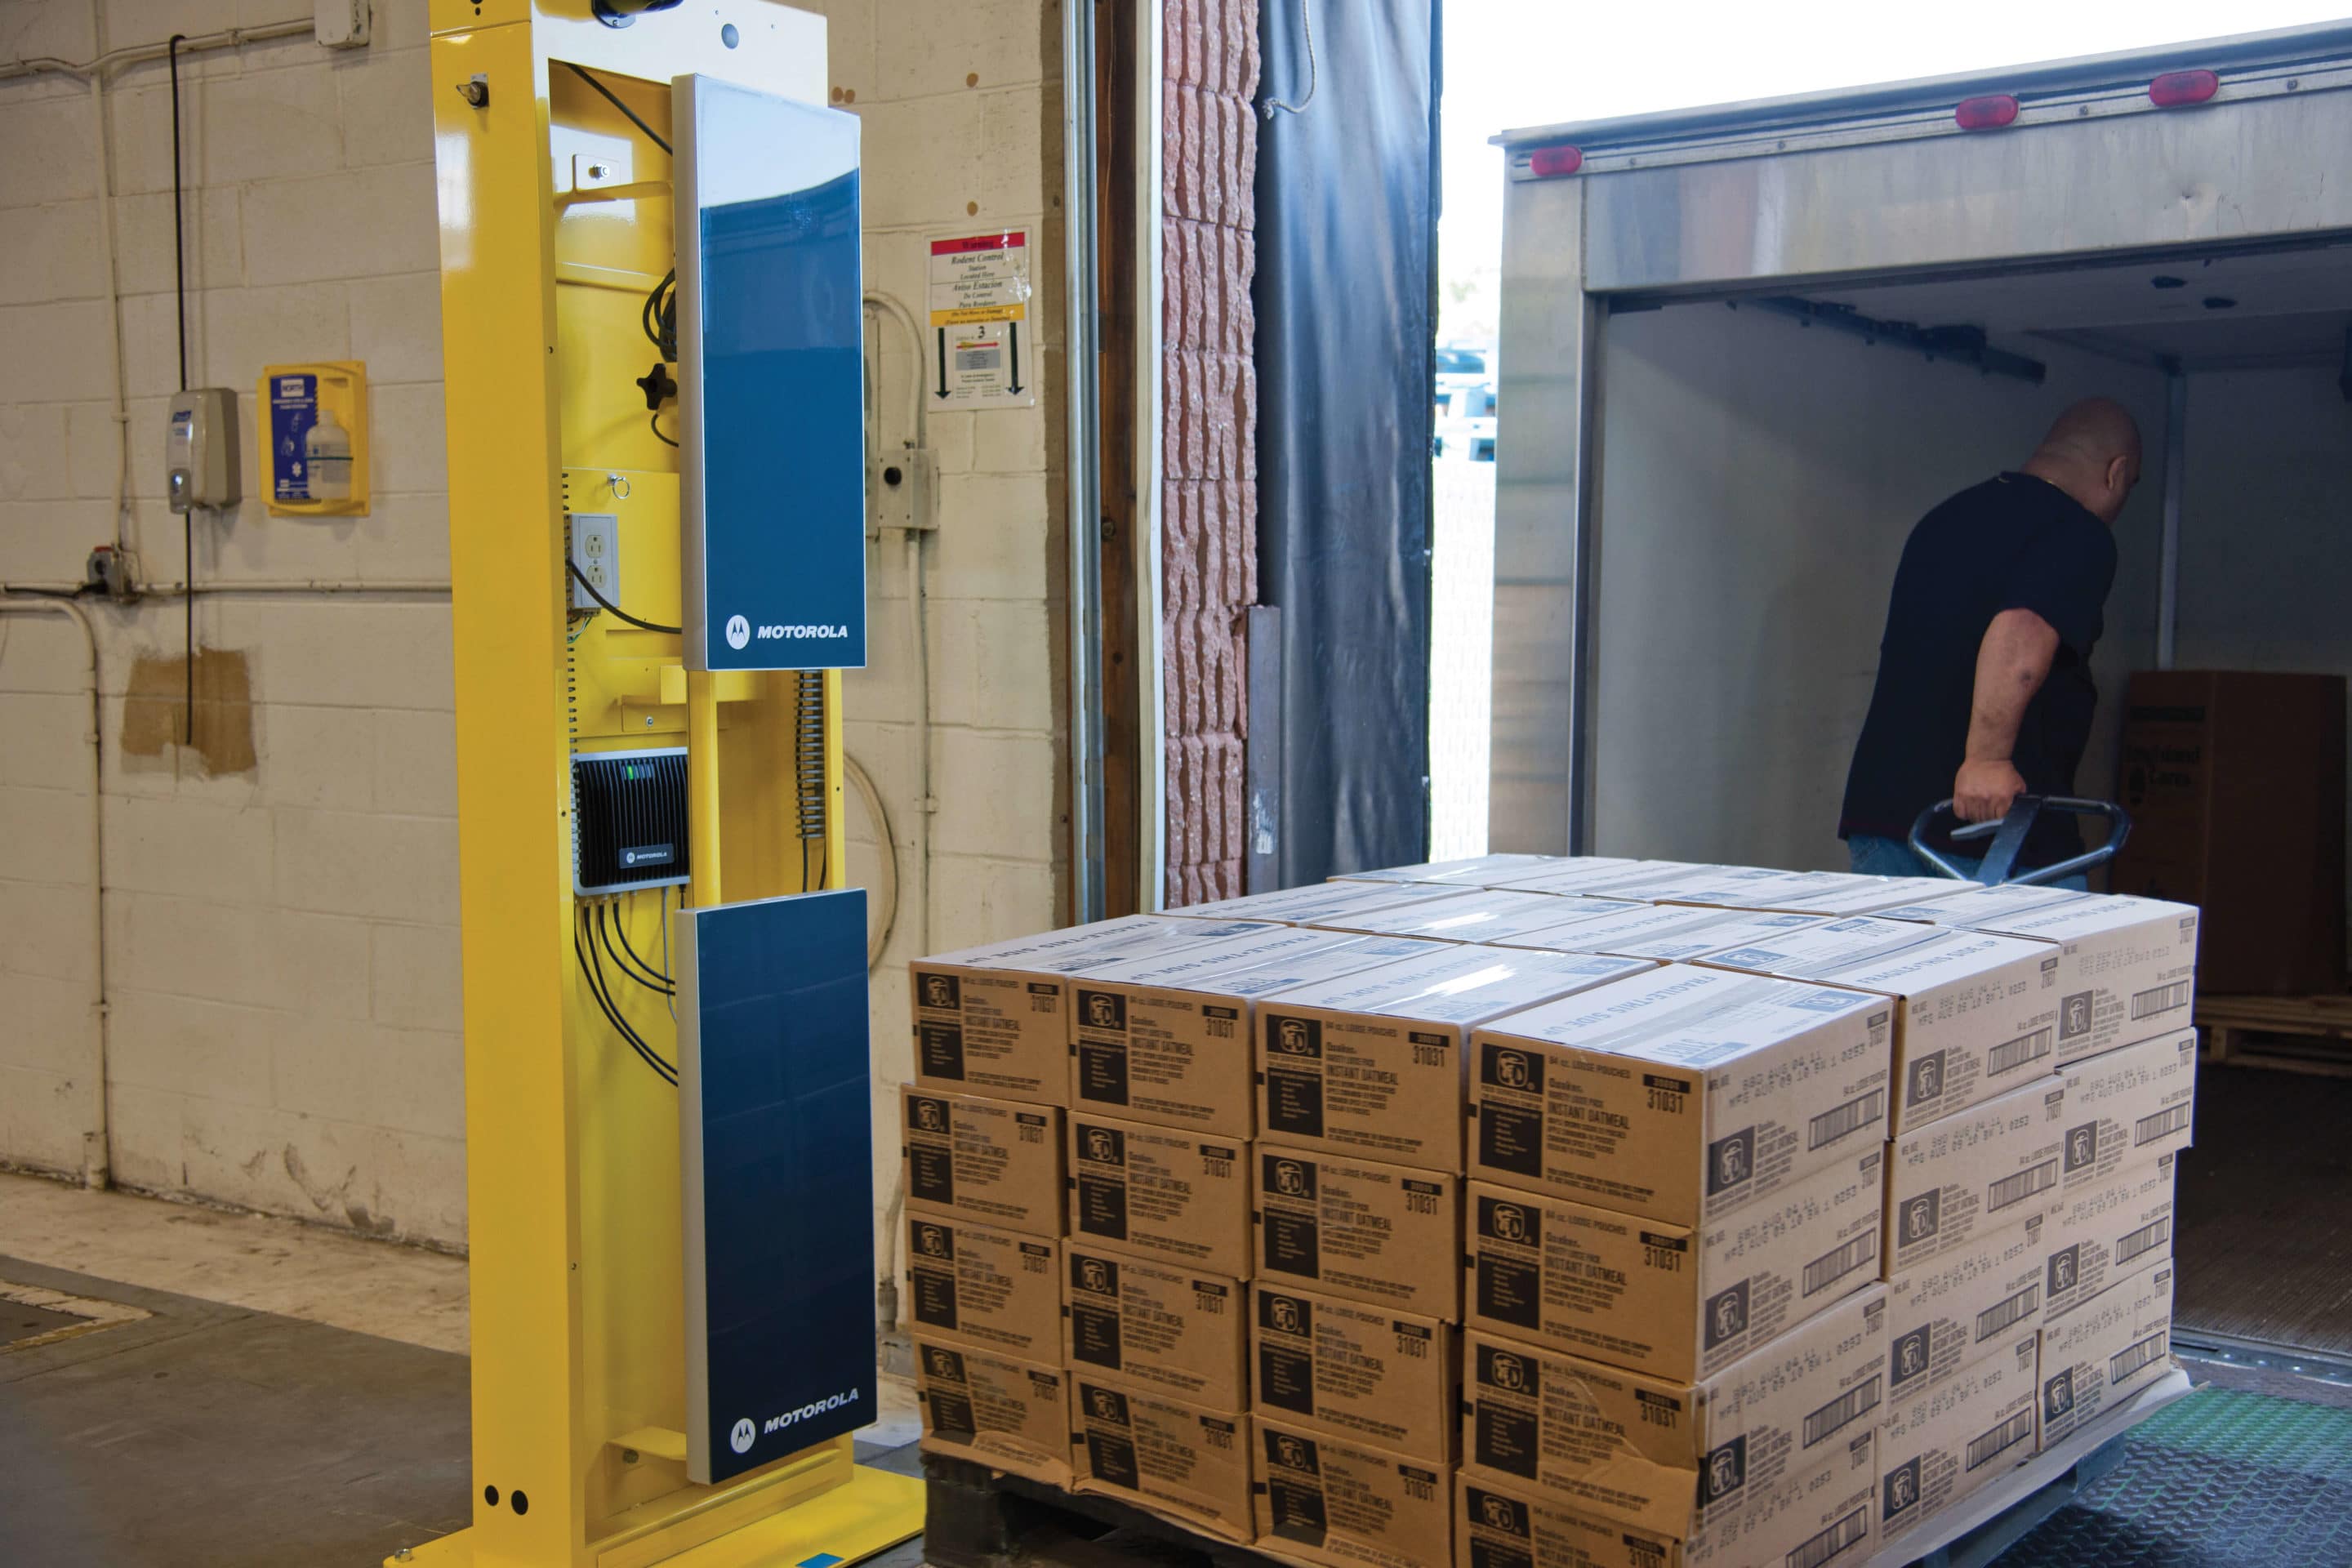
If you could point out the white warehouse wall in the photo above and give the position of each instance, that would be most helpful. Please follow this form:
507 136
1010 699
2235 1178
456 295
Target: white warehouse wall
282 935
1757 480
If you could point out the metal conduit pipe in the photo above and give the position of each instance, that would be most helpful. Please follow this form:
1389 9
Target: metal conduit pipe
96 1163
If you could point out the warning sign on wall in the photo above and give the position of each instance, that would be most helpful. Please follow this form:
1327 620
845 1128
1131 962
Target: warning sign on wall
984 354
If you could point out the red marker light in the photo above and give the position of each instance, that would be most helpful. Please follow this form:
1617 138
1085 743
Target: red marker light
1989 113
2177 89
1555 163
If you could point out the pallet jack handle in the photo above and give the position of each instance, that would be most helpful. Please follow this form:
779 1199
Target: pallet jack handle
2007 837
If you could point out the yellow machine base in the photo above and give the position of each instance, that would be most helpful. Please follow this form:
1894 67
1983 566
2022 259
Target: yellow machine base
875 1511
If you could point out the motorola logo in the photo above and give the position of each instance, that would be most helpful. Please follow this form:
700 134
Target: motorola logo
744 1435
738 632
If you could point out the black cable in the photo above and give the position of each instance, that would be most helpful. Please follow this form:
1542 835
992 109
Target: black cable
610 97
658 316
180 293
627 946
641 977
615 609
653 423
593 975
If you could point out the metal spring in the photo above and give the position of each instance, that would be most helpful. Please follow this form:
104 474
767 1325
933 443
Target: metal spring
808 752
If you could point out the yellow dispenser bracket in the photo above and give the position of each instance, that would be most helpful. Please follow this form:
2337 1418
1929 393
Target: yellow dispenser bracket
311 421
556 227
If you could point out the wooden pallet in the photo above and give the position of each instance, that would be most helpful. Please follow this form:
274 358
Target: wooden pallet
2290 1034
979 1518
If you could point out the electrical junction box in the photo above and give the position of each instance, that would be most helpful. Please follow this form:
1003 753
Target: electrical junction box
200 449
628 820
340 23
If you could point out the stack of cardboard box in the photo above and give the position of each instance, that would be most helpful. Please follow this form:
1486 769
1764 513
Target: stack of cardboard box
1553 1211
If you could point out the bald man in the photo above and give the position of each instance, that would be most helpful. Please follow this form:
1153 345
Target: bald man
1984 687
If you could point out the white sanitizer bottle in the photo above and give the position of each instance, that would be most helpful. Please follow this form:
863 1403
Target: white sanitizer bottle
327 454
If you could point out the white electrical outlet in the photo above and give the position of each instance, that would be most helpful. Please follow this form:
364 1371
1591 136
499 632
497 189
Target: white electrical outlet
596 552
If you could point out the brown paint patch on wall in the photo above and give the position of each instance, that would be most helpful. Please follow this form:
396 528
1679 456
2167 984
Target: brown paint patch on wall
1209 375
155 714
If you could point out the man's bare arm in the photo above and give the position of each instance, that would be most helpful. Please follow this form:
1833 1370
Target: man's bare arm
2012 664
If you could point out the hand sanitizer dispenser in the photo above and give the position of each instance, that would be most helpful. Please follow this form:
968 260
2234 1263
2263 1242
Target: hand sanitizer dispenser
200 449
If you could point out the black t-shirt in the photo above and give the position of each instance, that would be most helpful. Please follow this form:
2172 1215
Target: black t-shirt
2014 543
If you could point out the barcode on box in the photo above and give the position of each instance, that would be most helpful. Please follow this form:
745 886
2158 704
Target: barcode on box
2163 1124
1831 1125
2145 1239
2016 1189
2016 1309
1857 1401
1826 1270
2016 1053
2162 999
1847 1531
2130 1359
2017 1429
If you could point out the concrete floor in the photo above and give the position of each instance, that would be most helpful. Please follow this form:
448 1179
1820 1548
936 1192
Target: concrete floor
185 1388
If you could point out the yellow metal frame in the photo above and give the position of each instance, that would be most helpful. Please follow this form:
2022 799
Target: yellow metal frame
572 1178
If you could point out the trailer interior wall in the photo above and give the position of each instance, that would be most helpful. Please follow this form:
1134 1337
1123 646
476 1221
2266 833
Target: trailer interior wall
2265 538
1756 481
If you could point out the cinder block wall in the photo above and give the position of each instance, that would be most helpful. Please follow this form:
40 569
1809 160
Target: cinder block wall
280 901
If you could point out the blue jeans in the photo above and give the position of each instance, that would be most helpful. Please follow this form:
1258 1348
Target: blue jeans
1876 857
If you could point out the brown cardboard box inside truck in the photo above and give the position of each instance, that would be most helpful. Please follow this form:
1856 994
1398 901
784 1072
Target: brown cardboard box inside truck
1992 1166
1963 1304
1680 1093
1666 933
1338 1503
1679 1302
1975 1015
995 1020
1157 1325
1943 1441
1156 1192
1386 1377
1673 1457
1388 1235
995 1161
1477 915
2105 1350
1168 1040
1314 902
1372 1064
995 1410
2235 784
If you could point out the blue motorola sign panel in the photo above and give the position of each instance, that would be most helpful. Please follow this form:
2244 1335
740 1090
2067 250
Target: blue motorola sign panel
770 382
776 1139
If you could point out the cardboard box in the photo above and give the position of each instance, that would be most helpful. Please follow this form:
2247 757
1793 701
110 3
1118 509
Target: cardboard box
1384 1235
2235 781
1975 1013
2125 969
1157 1325
2106 1350
1380 1376
1676 1457
995 1020
2126 1107
1336 1503
1838 894
2106 1233
1946 1439
1477 915
1154 1192
1679 1094
1316 902
1666 933
1373 1064
1598 874
1481 871
1968 905
993 1289
1963 1304
1009 1415
1986 1169
1180 1460
1678 1302
1822 1518
1167 1039
995 1161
